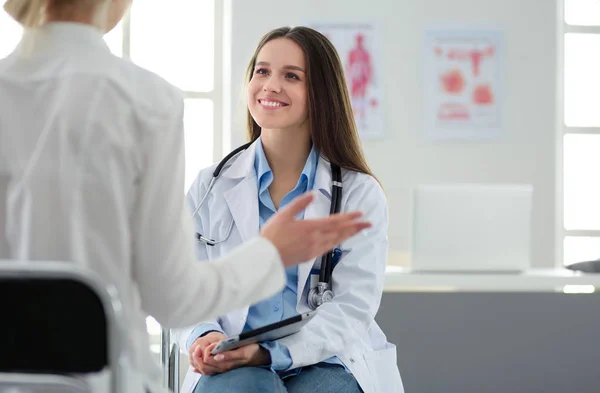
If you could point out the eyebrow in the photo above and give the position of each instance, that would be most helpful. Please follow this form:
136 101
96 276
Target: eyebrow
287 67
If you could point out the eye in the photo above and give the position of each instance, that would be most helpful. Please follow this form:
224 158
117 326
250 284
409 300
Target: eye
292 76
261 71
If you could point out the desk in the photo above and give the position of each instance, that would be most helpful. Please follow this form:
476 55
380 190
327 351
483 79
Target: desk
399 279
494 333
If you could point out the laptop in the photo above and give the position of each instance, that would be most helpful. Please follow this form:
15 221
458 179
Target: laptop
478 228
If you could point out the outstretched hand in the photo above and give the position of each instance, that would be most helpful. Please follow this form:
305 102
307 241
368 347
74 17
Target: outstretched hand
302 240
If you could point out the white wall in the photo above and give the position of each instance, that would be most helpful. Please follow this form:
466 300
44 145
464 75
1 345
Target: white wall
525 155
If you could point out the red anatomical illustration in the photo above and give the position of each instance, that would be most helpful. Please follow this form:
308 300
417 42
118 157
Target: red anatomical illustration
453 81
482 95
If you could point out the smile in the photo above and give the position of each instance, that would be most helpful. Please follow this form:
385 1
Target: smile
271 104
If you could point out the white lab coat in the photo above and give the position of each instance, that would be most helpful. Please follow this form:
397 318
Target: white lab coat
345 327
105 189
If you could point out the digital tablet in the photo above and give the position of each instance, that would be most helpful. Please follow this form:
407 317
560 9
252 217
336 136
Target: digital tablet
270 332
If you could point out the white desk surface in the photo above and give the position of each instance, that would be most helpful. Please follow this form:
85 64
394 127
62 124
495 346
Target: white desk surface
400 279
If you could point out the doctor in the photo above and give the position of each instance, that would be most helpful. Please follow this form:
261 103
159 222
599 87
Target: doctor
91 172
301 121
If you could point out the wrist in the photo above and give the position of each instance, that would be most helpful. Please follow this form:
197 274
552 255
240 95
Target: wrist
262 357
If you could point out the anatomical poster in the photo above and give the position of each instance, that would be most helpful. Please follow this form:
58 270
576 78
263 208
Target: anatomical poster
463 81
359 48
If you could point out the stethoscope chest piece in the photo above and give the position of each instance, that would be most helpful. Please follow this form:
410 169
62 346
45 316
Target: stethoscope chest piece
319 295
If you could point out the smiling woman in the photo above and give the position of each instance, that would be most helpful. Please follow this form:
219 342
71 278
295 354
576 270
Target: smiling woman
301 126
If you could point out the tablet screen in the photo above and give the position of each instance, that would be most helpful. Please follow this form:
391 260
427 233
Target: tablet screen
273 326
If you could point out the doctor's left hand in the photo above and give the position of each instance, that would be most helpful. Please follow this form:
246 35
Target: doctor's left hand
251 355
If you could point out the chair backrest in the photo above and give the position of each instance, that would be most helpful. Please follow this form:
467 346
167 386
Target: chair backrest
58 319
38 383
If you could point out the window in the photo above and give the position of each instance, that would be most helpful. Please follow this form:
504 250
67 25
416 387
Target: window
182 43
10 34
179 46
579 131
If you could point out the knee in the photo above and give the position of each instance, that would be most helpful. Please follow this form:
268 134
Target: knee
241 380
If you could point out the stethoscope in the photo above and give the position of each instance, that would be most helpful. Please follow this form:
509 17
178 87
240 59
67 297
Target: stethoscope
322 292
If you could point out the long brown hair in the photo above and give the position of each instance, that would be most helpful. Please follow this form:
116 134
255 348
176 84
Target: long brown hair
332 126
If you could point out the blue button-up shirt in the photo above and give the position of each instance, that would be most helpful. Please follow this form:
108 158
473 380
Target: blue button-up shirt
282 305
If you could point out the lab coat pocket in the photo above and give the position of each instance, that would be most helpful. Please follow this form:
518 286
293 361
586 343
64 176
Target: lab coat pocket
384 370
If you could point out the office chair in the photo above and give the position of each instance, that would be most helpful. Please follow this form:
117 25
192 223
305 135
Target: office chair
169 359
59 323
33 383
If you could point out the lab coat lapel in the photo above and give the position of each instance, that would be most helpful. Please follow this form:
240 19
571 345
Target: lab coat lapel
319 208
242 198
242 201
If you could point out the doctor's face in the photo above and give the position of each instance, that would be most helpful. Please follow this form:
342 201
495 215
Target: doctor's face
277 92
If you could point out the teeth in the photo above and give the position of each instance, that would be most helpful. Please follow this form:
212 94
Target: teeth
271 103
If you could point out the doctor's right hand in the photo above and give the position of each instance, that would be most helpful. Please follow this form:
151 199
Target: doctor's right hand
197 352
302 240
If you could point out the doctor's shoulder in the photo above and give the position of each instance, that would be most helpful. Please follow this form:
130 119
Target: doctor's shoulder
362 192
358 184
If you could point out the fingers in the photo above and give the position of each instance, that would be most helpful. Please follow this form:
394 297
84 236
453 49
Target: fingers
324 234
194 362
198 352
231 356
343 228
223 362
330 239
211 360
207 357
205 368
195 356
203 362
231 359
332 222
192 355
296 206
350 229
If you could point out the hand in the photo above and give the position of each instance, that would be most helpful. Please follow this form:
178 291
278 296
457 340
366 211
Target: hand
198 347
302 240
251 355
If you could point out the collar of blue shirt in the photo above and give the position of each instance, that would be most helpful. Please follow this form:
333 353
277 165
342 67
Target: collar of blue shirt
264 174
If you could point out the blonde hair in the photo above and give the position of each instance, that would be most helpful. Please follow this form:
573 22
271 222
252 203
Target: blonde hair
32 13
29 13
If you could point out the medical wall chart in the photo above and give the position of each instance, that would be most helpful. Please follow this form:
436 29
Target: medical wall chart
359 48
463 84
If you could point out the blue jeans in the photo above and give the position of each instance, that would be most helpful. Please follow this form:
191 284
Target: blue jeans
320 378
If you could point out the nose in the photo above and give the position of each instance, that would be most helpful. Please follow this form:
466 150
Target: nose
272 85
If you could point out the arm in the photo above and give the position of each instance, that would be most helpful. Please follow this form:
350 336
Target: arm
357 285
174 289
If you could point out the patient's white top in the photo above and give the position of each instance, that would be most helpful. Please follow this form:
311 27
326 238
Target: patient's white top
91 172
